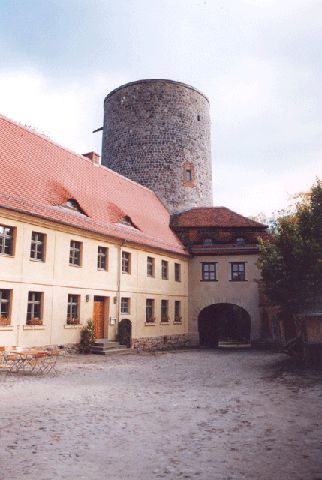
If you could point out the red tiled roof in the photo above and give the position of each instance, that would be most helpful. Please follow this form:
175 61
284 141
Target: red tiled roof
38 176
213 217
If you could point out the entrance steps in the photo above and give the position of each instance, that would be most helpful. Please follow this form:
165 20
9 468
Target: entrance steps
107 347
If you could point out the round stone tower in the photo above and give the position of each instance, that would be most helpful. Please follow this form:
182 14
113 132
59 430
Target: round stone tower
157 132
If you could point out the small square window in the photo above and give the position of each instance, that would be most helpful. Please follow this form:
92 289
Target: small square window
5 306
209 272
238 272
34 309
6 240
149 315
73 310
150 267
177 272
37 248
75 253
102 258
164 310
126 262
125 305
164 270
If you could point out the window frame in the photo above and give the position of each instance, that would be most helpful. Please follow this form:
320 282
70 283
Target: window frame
165 311
11 237
35 301
207 273
241 274
36 243
149 310
101 255
72 303
152 265
127 304
164 270
126 262
75 250
5 316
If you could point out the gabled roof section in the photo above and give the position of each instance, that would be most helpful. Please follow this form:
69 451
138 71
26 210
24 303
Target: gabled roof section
37 176
213 217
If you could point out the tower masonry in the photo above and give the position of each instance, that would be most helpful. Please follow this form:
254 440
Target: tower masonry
157 132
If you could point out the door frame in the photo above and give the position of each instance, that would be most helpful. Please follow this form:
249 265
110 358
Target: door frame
106 303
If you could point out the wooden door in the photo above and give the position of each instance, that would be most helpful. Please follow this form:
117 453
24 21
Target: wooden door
99 317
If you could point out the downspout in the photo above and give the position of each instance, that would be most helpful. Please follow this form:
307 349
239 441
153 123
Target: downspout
118 284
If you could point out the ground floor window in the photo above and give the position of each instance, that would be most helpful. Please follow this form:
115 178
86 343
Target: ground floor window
164 310
177 311
149 315
73 309
5 299
34 309
125 305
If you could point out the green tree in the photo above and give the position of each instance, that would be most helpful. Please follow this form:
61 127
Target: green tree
291 261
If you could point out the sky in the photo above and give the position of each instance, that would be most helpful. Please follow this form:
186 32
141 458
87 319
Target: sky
258 61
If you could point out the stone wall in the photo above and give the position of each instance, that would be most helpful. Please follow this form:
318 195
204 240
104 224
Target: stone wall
153 129
160 343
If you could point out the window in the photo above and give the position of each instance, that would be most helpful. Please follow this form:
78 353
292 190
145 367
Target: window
37 249
102 258
164 310
149 316
177 311
177 272
6 240
150 266
209 272
164 270
34 309
238 272
240 241
73 310
125 305
188 174
207 241
75 253
198 118
5 297
126 262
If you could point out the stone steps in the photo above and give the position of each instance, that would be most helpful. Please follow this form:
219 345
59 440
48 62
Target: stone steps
107 347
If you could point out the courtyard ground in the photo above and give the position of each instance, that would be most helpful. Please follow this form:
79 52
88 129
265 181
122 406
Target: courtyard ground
197 414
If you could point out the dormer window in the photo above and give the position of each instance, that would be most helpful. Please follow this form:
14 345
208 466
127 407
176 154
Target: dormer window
126 220
73 204
207 241
240 241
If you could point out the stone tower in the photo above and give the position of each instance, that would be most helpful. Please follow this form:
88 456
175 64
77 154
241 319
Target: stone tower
157 132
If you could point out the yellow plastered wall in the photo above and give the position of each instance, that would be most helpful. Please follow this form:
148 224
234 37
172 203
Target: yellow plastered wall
55 278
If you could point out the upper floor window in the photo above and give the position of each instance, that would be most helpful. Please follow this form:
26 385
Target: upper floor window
34 308
188 174
177 272
238 272
177 311
164 270
150 266
209 271
102 257
149 311
6 240
240 241
125 305
126 262
5 300
37 248
75 253
164 310
73 304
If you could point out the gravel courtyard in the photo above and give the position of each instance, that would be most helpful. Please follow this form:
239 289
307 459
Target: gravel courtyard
196 414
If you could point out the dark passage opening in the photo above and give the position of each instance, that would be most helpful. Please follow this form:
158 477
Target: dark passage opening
223 323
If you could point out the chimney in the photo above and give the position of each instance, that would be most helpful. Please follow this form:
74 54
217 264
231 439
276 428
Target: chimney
94 157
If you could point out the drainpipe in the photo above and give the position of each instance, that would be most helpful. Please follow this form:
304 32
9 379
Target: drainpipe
119 273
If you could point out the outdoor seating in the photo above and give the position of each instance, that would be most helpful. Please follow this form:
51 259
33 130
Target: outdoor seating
21 360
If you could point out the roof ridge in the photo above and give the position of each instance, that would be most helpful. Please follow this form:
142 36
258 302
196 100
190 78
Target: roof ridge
79 155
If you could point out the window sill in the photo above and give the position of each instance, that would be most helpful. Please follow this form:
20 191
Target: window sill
165 323
238 281
34 327
209 280
37 260
125 313
150 324
177 323
74 265
9 255
72 327
6 328
102 270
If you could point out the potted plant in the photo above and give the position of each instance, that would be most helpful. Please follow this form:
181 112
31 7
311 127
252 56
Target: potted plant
4 320
72 321
35 321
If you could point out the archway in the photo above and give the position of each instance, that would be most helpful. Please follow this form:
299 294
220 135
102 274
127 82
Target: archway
223 322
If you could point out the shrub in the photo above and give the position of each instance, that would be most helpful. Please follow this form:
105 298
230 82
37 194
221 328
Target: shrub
87 337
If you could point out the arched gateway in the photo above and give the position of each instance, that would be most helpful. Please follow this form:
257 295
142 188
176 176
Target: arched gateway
223 322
